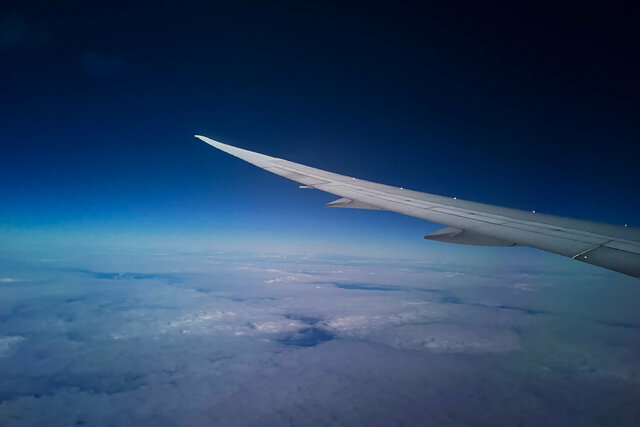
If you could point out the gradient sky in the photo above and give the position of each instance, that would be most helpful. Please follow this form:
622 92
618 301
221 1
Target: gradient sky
149 279
527 106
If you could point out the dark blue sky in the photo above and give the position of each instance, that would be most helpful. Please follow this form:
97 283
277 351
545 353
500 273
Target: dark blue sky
527 106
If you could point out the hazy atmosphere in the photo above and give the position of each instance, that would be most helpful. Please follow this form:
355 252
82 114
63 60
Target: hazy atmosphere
149 279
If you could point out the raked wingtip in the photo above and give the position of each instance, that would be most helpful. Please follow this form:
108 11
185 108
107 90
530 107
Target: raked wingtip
209 141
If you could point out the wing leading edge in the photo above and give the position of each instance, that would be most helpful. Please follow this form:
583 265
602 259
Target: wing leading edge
612 247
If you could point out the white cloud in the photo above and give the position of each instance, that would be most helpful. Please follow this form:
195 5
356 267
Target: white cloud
278 326
524 287
7 343
283 279
450 338
221 346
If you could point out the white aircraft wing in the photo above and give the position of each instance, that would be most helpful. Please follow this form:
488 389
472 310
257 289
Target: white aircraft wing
609 246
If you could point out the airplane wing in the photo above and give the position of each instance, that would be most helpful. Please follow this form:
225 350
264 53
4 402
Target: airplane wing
612 247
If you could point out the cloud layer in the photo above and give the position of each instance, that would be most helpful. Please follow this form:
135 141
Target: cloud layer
242 339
